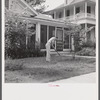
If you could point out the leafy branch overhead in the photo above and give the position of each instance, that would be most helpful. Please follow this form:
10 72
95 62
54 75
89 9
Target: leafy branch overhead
37 4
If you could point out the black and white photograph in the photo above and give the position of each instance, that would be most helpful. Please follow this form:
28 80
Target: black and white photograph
46 44
50 49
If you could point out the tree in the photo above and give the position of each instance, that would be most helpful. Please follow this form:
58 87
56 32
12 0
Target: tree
16 32
37 4
77 34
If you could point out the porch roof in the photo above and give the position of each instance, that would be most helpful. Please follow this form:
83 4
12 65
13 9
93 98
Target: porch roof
45 20
76 1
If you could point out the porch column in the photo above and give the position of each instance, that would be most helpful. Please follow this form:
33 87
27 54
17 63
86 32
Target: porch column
95 12
85 32
38 33
69 41
54 14
72 39
63 37
47 32
85 9
55 35
64 13
26 41
26 34
74 13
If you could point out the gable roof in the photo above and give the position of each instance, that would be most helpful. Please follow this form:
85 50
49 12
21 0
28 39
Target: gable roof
20 7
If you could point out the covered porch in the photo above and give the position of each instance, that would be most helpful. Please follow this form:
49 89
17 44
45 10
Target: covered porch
45 28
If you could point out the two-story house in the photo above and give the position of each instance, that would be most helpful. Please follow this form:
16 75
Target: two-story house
75 11
82 12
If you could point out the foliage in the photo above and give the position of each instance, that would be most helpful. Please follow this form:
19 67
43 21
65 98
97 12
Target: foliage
89 44
81 47
76 31
16 31
87 51
37 4
14 35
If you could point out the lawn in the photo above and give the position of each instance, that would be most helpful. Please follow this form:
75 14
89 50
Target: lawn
37 70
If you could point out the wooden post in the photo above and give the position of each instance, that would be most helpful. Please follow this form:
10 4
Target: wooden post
85 32
47 32
69 41
85 9
38 35
26 34
54 15
73 43
55 36
26 41
64 13
63 37
74 13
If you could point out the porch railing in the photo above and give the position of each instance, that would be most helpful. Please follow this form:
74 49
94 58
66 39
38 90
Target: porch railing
90 15
80 16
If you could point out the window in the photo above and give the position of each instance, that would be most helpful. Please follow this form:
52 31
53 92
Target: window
43 36
51 31
60 15
52 15
68 13
77 10
88 9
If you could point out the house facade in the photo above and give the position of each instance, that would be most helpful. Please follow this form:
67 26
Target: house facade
52 23
82 12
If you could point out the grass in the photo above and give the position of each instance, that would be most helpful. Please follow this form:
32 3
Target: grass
37 70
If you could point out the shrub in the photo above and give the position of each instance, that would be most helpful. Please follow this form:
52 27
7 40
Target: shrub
89 44
77 45
87 52
15 39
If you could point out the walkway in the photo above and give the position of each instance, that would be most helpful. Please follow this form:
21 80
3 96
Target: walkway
87 78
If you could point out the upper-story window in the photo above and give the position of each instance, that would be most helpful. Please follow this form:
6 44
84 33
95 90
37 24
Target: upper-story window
68 13
60 15
52 15
77 10
88 9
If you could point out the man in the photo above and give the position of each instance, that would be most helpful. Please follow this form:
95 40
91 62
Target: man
50 42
